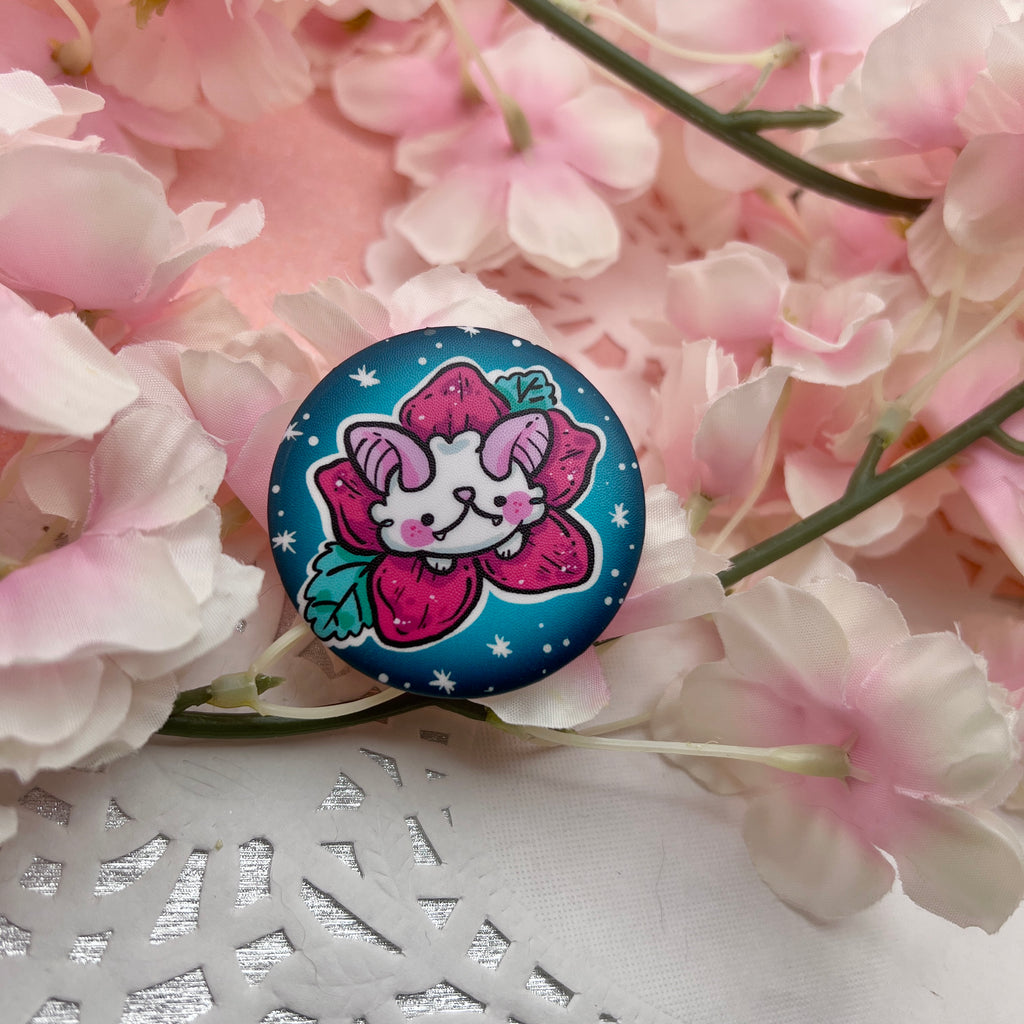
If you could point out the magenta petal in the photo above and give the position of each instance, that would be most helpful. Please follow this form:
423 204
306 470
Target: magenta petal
349 498
458 398
570 461
556 554
412 604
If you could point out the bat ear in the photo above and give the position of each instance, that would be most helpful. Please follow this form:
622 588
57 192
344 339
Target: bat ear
378 450
524 438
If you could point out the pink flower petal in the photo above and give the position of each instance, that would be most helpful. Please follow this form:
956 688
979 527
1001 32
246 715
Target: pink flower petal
569 697
56 377
249 475
60 200
560 223
556 554
731 431
779 634
96 601
569 463
44 704
452 218
984 202
966 867
413 604
455 399
812 859
606 137
152 469
937 730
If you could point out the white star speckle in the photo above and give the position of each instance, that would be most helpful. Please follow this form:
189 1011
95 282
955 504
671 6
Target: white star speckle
619 515
366 378
285 540
500 647
470 330
291 433
443 680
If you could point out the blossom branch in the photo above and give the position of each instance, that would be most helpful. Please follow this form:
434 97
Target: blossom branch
720 126
867 488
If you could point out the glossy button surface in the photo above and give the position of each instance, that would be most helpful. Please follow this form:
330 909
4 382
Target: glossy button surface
456 512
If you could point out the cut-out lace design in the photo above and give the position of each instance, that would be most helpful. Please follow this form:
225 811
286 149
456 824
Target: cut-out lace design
321 880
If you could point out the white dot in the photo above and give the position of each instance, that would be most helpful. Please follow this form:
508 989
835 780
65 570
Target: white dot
632 547
621 599
280 511
633 464
579 391
565 642
383 677
429 331
547 648
607 600
438 344
607 418
422 360
314 441
622 465
305 415
338 483
276 489
516 343
615 572
406 685
540 625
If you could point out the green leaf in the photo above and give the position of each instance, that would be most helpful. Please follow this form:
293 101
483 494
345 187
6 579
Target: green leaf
530 390
338 594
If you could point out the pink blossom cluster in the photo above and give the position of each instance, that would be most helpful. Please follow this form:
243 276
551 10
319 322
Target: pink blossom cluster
752 337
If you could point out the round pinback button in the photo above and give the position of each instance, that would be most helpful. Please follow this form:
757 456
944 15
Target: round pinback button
456 512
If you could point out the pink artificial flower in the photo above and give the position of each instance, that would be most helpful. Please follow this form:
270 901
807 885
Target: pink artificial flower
734 295
56 377
588 144
931 748
707 426
407 79
838 334
147 134
123 251
238 55
340 319
117 581
417 599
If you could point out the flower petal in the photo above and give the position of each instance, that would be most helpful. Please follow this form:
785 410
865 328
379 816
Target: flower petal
56 377
813 860
152 469
965 867
560 223
572 695
455 399
413 604
939 733
569 462
349 498
781 636
449 221
556 554
100 593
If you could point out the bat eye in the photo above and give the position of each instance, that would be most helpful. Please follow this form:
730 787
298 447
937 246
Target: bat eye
500 500
427 519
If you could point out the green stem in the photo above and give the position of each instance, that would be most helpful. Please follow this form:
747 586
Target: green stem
1005 440
217 726
791 120
867 489
720 126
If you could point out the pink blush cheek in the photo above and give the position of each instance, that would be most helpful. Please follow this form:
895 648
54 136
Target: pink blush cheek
517 508
415 534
